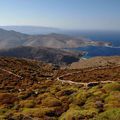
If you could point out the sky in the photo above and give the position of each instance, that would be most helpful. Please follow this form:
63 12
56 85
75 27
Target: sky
66 14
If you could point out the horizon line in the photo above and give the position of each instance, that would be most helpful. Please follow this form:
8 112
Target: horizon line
66 29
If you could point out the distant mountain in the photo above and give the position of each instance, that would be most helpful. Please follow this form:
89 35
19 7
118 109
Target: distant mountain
32 29
61 41
10 39
49 55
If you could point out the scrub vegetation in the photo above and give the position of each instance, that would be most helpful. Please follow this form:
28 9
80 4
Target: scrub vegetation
36 94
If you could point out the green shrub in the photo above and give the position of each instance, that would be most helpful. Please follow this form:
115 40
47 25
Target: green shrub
89 104
51 102
112 114
113 100
27 103
3 111
41 97
112 87
54 89
66 92
97 93
41 112
76 113
81 97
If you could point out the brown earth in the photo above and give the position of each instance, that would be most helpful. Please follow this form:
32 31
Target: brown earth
93 75
96 62
18 74
29 90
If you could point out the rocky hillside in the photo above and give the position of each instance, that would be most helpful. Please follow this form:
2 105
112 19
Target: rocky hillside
61 41
49 55
16 73
9 39
96 62
30 90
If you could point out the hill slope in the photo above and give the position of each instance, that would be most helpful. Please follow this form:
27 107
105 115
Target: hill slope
9 39
29 90
16 73
50 55
96 62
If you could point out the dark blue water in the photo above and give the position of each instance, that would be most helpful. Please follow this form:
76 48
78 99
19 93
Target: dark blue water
92 51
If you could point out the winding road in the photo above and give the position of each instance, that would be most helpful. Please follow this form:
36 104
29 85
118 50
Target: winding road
85 84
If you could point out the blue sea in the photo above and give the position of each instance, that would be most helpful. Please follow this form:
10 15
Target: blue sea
92 51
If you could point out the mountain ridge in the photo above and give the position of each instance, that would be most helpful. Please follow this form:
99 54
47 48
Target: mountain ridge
33 30
10 39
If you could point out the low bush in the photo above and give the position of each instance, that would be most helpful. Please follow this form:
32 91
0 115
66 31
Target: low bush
112 114
76 113
27 103
51 102
41 112
7 98
113 100
112 87
81 97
